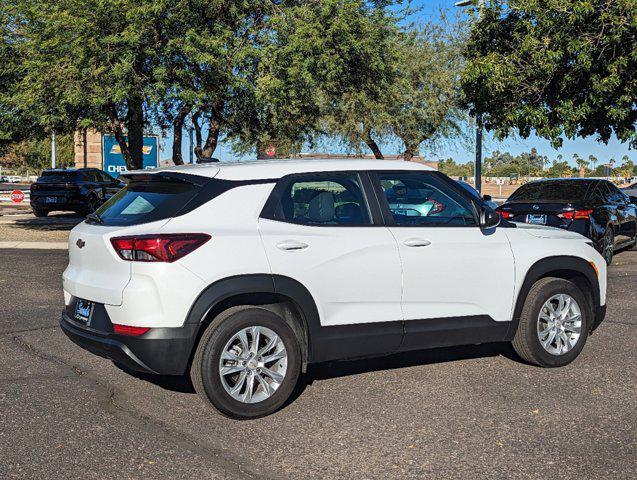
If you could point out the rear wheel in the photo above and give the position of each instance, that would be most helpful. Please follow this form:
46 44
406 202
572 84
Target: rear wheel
40 213
554 323
606 245
247 363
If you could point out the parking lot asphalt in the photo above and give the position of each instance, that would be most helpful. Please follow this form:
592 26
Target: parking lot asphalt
470 412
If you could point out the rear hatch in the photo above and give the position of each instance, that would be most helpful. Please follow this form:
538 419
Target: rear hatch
556 203
95 271
57 185
540 213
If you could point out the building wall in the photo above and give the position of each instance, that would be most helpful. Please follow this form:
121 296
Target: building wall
93 150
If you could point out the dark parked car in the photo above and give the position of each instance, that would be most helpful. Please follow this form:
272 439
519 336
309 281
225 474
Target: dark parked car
595 208
80 190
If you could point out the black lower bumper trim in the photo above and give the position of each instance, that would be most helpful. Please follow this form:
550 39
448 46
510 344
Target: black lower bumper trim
164 351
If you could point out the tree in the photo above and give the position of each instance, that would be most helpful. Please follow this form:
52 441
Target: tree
556 67
559 169
593 161
34 154
582 164
626 169
423 103
91 64
322 69
451 168
208 48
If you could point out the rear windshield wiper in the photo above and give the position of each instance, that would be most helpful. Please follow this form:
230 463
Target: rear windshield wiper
95 218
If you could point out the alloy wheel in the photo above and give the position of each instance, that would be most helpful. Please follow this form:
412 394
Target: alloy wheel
559 324
253 364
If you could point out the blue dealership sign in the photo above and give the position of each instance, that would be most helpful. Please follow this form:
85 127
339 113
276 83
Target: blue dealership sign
114 161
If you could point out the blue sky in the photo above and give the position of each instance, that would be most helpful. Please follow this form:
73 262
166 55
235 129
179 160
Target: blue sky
428 10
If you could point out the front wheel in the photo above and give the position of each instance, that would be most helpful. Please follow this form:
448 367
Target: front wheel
247 363
554 323
40 213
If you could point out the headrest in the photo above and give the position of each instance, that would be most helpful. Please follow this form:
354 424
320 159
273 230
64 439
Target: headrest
321 208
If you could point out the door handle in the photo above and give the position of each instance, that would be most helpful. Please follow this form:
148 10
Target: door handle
291 245
417 242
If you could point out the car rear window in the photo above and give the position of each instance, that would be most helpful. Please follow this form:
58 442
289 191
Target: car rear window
146 201
58 177
552 191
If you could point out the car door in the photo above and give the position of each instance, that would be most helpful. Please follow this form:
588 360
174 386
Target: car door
624 212
458 281
321 230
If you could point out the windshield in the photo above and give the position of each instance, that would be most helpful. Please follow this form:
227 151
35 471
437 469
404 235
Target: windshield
147 201
563 191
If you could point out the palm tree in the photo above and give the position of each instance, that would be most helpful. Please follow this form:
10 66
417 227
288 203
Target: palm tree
593 160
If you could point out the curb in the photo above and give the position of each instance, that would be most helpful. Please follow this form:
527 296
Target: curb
34 245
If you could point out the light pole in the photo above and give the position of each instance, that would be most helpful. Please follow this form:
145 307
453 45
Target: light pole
478 164
53 148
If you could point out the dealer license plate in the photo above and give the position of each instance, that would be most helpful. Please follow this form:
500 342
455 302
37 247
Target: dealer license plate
83 311
536 219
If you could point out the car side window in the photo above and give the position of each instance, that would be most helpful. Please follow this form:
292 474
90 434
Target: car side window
105 177
420 198
323 199
616 196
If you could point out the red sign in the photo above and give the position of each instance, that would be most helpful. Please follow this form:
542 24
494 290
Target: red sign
270 151
17 196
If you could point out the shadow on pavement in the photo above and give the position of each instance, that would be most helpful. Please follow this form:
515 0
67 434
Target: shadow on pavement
323 371
61 222
174 383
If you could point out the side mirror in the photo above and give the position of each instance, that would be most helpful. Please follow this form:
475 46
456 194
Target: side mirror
487 198
489 218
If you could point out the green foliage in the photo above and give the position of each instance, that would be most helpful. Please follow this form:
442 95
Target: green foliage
504 164
34 155
453 169
558 170
423 102
558 67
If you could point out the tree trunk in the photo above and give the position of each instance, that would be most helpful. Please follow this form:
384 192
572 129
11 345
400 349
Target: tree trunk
409 153
135 120
118 131
373 146
178 127
198 138
216 120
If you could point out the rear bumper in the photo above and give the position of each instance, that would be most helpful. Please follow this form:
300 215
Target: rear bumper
164 351
65 202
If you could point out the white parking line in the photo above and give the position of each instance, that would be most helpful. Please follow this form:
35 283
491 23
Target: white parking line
34 245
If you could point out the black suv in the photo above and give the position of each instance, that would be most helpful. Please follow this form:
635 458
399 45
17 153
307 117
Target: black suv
80 190
593 207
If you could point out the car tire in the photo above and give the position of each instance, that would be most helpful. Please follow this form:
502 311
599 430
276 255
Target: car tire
542 349
40 213
607 245
223 336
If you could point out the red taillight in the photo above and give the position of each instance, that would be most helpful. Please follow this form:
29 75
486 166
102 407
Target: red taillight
505 215
576 214
158 248
128 330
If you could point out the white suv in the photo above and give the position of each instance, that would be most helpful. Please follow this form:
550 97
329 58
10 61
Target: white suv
243 274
